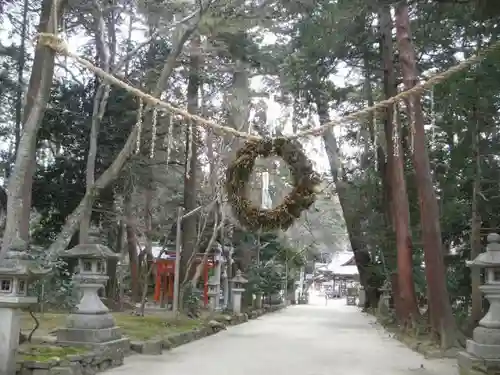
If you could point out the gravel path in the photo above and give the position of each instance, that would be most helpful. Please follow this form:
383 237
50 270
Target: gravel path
301 340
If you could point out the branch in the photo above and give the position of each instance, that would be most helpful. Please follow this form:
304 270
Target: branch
196 277
73 220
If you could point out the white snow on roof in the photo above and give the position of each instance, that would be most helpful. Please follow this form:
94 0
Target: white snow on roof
338 260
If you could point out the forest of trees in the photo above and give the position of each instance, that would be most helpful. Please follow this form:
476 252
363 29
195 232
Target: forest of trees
416 184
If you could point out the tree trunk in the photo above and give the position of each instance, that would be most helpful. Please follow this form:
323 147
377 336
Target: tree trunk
189 224
105 53
20 78
238 104
382 168
133 255
441 317
406 300
21 180
476 296
361 254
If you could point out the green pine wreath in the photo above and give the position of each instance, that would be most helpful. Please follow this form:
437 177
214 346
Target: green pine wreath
303 195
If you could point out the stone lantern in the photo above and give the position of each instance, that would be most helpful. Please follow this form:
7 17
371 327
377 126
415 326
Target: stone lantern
17 270
482 353
91 323
361 296
238 287
384 303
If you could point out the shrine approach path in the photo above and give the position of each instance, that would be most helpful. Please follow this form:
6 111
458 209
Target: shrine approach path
301 340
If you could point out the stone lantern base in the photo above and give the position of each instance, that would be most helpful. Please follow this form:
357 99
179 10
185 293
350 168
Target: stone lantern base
96 334
91 324
469 364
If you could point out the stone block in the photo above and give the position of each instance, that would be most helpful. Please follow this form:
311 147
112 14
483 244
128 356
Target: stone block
89 370
76 368
166 344
121 345
117 362
104 365
471 365
74 357
39 365
90 321
88 335
24 371
482 350
488 336
150 347
58 370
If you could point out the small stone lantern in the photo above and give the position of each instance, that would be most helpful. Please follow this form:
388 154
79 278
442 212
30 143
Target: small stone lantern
238 287
91 323
362 296
483 350
17 270
258 299
213 296
384 304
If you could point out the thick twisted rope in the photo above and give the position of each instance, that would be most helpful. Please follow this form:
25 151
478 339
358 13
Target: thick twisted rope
58 45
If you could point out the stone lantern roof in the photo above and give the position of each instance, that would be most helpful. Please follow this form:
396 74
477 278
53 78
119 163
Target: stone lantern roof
92 251
19 262
239 278
490 258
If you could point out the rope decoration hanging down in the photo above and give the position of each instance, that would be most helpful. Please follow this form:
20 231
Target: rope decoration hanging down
305 180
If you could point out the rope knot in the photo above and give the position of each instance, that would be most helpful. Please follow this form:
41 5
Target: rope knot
53 41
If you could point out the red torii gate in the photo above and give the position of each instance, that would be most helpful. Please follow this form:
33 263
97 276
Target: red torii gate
165 272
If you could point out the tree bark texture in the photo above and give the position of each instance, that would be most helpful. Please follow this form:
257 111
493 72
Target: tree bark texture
441 317
405 300
21 180
189 224
105 53
361 254
476 296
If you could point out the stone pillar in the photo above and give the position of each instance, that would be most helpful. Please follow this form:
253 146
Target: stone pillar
9 331
236 302
258 300
16 271
482 353
213 296
362 297
384 303
216 279
237 290
226 274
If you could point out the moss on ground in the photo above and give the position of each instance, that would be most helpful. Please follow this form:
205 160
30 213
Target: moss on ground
152 326
135 327
47 353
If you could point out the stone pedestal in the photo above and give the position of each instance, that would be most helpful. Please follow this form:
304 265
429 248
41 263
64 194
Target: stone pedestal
469 364
482 353
17 270
9 332
10 327
91 322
